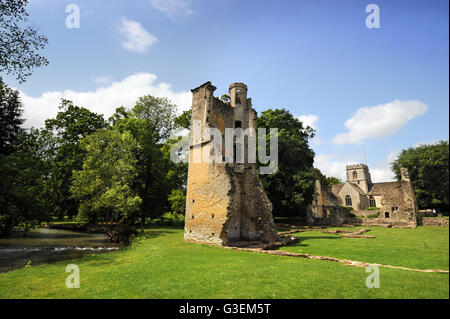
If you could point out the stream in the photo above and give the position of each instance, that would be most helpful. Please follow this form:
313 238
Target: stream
43 246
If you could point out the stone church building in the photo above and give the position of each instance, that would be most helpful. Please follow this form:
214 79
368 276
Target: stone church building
392 203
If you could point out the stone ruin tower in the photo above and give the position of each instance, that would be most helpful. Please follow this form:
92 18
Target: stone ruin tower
225 203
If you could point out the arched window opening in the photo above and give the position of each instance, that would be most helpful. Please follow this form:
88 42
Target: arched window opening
387 215
348 200
372 202
355 175
238 97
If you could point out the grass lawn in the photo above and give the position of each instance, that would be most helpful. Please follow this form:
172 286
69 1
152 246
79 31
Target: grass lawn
163 266
424 247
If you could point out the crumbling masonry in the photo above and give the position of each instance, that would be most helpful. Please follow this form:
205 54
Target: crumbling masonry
226 203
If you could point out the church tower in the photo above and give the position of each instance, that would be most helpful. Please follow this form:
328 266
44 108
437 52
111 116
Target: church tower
359 175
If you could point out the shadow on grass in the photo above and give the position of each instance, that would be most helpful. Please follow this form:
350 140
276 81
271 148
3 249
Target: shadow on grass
303 239
153 233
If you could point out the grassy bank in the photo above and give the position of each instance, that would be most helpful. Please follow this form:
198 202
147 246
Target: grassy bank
163 266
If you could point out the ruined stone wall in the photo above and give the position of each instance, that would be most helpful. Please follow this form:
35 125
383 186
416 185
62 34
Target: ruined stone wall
430 221
325 209
225 202
398 205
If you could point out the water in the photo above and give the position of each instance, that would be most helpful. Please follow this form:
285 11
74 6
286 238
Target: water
44 245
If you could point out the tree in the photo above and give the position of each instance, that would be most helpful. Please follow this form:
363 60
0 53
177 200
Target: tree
19 44
150 121
429 173
177 199
104 185
176 177
70 125
10 118
184 120
291 188
324 180
333 181
24 196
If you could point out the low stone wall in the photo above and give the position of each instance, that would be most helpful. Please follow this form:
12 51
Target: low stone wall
339 217
426 213
427 221
386 223
366 213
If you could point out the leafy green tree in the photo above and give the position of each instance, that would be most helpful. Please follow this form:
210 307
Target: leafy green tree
291 188
324 180
184 120
70 125
333 181
104 185
176 176
23 167
19 43
429 173
10 118
24 196
150 121
177 199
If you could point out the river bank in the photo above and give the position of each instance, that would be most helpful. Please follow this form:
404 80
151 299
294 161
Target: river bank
83 227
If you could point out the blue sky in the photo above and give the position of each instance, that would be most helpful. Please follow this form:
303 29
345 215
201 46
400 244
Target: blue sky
316 58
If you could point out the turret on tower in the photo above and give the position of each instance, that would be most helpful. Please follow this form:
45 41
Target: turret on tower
238 94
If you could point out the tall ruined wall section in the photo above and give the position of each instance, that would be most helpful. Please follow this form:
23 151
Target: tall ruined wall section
398 204
394 209
225 202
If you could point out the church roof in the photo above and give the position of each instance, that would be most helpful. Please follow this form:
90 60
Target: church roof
357 188
335 189
375 189
380 188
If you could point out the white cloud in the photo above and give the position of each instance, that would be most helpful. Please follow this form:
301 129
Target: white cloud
383 172
379 121
137 39
330 166
173 7
103 100
309 120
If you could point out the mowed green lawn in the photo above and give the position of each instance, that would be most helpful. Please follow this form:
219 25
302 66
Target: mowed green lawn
163 266
423 247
